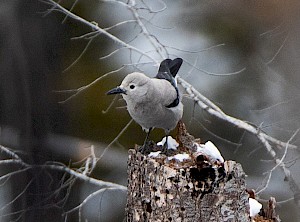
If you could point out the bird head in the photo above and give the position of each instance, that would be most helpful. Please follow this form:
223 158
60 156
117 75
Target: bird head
133 88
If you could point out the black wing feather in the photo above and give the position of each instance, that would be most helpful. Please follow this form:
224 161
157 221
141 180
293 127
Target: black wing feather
167 70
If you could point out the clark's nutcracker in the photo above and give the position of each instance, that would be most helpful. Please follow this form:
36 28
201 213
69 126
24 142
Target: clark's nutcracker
153 102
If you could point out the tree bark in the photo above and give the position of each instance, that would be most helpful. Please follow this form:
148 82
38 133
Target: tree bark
196 189
161 191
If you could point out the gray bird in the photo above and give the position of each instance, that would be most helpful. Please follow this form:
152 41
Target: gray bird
153 102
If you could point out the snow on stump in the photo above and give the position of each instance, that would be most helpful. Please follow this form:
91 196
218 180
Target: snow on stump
186 185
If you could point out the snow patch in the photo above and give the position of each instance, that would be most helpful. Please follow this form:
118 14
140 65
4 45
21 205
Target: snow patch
255 207
172 143
154 154
180 157
210 150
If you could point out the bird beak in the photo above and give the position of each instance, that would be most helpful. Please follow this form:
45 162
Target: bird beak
117 90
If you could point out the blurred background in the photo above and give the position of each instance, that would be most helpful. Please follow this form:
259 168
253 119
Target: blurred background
244 56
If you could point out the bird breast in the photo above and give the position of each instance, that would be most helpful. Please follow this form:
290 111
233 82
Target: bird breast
152 112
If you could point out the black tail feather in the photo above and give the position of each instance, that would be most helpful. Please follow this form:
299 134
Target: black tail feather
168 69
175 65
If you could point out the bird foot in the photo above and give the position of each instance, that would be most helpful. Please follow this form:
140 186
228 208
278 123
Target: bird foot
147 147
166 151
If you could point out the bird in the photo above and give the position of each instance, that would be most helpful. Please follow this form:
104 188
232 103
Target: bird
153 102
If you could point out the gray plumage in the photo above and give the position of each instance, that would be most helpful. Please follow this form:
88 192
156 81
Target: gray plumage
153 102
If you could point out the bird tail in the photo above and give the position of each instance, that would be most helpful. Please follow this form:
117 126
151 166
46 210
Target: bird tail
170 66
168 69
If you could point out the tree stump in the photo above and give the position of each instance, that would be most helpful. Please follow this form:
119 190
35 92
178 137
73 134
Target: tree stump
173 192
196 189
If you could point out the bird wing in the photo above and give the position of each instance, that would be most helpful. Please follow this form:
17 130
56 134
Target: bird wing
167 70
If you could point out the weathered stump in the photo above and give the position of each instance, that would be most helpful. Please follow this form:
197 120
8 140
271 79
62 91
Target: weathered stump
196 189
162 190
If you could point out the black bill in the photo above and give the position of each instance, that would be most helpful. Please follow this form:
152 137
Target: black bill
116 90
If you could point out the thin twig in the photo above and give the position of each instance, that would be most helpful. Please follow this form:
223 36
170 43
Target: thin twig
80 176
80 56
279 162
116 138
81 89
96 27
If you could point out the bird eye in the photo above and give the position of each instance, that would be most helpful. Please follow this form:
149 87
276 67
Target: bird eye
132 86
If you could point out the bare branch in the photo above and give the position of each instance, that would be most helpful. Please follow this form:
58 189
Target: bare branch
197 51
17 197
279 162
80 90
80 56
214 110
88 198
13 155
71 9
93 26
216 74
81 176
116 138
278 51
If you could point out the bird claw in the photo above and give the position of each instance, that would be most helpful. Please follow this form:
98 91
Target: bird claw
164 149
146 148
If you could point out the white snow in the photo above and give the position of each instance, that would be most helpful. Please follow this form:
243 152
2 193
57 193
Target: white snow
180 157
255 207
154 154
172 143
210 150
